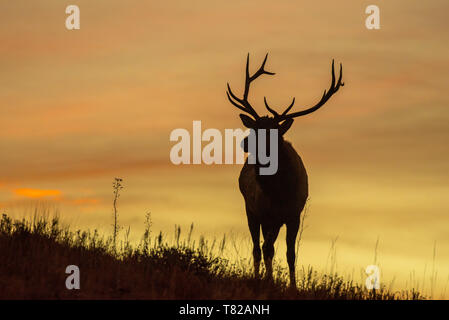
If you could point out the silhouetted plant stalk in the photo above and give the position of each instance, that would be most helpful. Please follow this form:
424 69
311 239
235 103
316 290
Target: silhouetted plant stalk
146 238
302 226
116 187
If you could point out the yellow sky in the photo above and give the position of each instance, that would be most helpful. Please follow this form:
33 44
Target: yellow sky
81 107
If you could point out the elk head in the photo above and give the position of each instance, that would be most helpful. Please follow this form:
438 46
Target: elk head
282 122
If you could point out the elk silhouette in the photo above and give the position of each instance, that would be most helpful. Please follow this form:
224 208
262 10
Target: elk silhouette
274 200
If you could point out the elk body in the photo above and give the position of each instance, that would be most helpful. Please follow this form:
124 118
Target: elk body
274 200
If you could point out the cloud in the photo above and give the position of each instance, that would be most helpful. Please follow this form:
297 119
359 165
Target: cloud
84 201
37 193
54 196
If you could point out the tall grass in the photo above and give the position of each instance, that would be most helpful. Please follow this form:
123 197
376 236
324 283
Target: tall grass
36 251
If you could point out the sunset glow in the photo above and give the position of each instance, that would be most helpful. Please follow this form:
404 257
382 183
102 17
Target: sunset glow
82 107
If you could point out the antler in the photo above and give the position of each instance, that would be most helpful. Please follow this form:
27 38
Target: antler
326 95
273 112
243 103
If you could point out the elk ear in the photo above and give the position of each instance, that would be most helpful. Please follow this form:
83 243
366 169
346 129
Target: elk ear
284 126
248 121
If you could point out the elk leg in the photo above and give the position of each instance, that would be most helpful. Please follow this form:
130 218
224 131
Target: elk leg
254 228
270 235
292 231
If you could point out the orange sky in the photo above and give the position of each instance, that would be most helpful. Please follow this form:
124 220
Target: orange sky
81 107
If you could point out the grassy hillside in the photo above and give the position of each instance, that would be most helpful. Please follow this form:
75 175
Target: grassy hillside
35 254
